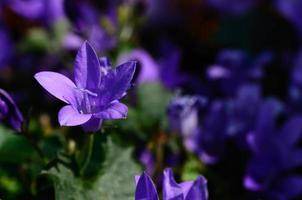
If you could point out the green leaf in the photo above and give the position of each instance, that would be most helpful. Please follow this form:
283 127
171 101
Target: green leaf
114 181
153 100
14 148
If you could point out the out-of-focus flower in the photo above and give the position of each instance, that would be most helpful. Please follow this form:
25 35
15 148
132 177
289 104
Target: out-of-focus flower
234 67
147 158
189 190
183 117
47 11
148 69
275 156
210 138
6 46
86 24
295 87
93 97
242 112
233 7
292 11
9 112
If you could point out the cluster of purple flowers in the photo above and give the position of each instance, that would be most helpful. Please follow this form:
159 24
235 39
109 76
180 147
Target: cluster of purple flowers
235 98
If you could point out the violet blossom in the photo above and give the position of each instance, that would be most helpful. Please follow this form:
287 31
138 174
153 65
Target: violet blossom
95 94
5 43
232 7
148 68
275 155
291 10
9 112
46 11
86 26
188 190
234 68
183 114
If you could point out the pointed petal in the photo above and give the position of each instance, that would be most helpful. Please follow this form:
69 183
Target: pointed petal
198 190
92 125
116 82
57 84
171 190
13 114
145 188
68 116
115 110
87 73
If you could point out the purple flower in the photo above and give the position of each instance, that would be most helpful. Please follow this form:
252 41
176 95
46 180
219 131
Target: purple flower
232 7
5 43
9 111
189 190
233 68
148 69
292 11
94 96
183 117
47 11
243 110
86 24
275 155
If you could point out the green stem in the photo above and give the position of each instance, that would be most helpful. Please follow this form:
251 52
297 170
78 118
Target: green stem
89 154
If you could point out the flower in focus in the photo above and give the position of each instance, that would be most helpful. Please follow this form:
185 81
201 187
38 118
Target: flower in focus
95 94
9 111
275 155
189 190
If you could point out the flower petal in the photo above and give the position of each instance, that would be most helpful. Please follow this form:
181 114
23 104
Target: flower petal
198 189
68 116
87 73
115 110
118 81
145 188
57 84
13 115
171 190
92 125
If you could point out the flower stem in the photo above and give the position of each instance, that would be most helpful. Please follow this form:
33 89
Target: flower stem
88 153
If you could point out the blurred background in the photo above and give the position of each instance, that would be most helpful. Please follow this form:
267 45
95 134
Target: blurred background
217 91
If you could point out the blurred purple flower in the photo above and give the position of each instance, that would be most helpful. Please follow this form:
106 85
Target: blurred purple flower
295 87
275 155
169 63
243 110
9 111
147 158
189 190
86 24
233 7
183 117
93 97
211 136
47 11
5 43
234 67
292 11
148 69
